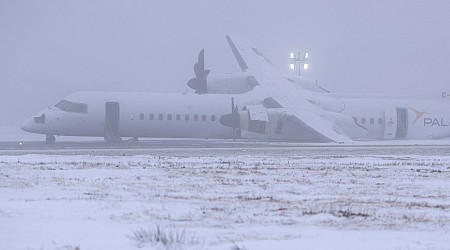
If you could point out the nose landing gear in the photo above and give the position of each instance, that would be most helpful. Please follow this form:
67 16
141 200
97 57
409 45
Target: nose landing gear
50 139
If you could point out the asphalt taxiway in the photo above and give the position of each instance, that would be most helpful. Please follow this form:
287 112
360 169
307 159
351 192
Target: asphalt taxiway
206 146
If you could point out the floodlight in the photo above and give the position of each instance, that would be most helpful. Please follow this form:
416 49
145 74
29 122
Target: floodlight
295 61
292 55
306 55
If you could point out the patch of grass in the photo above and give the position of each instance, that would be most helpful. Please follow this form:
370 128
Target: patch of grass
167 238
342 211
349 213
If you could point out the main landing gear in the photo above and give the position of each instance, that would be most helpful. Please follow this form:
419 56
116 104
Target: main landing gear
50 139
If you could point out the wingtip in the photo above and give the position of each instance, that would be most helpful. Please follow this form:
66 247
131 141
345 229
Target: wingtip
237 54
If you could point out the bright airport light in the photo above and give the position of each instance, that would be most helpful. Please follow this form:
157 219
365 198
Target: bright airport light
292 55
306 55
294 61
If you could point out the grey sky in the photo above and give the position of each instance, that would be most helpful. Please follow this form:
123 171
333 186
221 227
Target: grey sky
49 49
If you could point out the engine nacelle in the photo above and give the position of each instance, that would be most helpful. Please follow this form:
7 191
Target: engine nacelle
230 83
219 83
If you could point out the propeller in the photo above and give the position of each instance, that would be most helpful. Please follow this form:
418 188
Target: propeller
232 120
199 83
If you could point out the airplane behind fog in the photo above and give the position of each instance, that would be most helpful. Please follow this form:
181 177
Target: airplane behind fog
259 102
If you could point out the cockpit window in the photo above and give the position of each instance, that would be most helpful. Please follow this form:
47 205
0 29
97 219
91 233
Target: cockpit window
64 105
78 108
73 107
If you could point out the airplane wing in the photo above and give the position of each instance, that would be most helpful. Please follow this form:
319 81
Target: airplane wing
298 110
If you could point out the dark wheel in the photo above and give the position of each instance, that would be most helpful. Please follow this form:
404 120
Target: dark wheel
50 139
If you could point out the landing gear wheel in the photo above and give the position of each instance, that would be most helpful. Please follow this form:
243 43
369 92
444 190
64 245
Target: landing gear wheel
50 139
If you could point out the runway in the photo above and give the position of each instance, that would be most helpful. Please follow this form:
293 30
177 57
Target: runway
205 146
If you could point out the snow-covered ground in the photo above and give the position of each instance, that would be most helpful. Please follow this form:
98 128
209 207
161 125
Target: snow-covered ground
225 200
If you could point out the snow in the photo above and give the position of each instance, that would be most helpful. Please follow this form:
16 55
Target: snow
225 200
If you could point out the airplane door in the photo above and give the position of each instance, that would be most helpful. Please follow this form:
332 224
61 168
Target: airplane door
112 119
402 123
390 124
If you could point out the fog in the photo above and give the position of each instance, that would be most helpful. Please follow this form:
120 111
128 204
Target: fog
50 49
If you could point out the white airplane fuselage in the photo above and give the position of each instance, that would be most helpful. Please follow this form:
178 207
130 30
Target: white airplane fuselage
163 115
400 118
139 115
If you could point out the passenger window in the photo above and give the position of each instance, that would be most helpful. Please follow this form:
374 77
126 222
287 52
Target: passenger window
363 120
161 117
151 117
178 117
131 116
195 117
213 118
186 117
169 117
141 116
380 120
372 121
203 117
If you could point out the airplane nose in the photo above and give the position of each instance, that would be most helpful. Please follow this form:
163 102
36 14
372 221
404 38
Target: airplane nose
35 124
27 125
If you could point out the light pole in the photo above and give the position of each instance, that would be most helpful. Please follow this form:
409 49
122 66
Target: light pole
296 61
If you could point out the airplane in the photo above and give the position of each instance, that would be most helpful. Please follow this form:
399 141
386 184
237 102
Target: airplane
260 102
